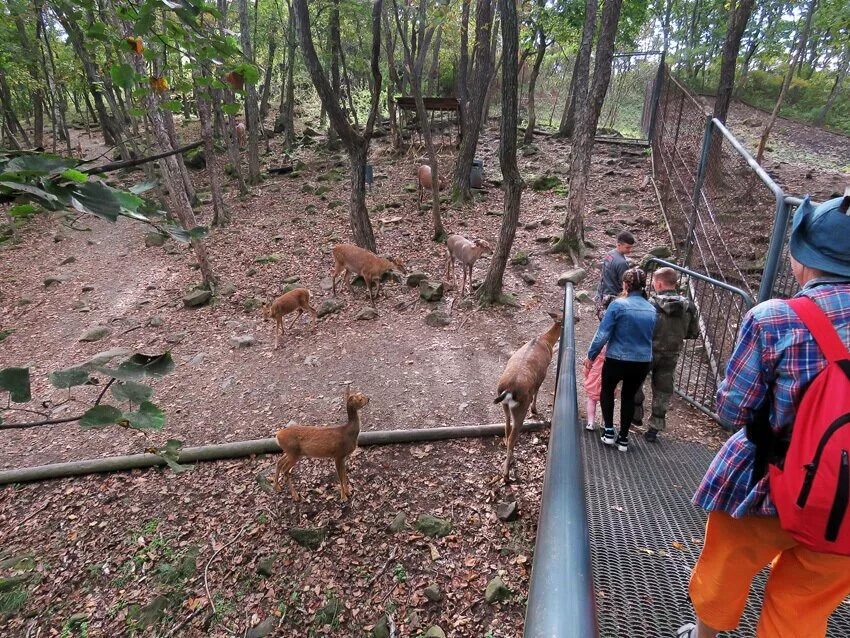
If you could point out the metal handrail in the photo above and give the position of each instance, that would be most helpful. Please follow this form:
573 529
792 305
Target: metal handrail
561 598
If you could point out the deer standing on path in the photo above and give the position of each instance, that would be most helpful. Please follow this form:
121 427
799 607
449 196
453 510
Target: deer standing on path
294 300
520 382
350 259
336 442
467 252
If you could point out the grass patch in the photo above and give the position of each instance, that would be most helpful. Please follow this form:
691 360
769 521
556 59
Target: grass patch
545 183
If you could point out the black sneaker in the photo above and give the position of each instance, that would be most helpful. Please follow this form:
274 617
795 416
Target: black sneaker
622 444
651 435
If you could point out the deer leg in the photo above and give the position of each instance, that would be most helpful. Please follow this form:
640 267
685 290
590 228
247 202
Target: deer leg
369 290
518 413
312 311
284 466
507 422
534 404
278 329
340 471
297 317
463 283
336 272
470 280
347 278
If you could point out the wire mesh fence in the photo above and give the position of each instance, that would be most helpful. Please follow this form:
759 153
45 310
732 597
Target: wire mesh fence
720 207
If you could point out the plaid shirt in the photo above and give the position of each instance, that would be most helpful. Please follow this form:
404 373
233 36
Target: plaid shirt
774 350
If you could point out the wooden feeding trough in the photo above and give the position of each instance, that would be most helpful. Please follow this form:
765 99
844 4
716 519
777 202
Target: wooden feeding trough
444 115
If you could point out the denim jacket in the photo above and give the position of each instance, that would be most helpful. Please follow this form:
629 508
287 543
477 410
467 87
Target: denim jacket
627 328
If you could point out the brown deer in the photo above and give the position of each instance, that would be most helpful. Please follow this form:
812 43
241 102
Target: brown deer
423 177
467 252
241 134
521 380
350 259
336 442
294 300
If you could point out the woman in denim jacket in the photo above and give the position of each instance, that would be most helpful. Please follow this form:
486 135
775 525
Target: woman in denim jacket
627 328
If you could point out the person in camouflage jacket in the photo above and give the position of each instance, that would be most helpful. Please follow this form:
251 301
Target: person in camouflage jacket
676 321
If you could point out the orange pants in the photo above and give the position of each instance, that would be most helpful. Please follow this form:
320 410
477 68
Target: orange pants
803 589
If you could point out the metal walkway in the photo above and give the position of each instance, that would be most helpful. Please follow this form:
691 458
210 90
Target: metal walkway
645 538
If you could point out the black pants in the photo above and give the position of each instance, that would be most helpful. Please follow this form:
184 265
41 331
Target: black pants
632 374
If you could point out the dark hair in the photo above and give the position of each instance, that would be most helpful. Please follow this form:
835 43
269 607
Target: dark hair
626 237
634 280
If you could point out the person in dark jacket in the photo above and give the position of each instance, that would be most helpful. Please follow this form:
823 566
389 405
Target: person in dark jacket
676 321
614 265
627 328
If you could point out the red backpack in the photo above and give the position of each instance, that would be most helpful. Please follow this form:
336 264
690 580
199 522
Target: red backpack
811 488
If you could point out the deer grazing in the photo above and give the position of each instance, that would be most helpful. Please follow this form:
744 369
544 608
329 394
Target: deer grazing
423 175
521 380
294 300
350 259
336 442
467 253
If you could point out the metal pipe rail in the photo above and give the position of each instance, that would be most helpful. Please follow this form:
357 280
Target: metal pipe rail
561 599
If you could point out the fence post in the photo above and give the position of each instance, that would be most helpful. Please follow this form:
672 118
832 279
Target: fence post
775 250
656 95
702 168
679 118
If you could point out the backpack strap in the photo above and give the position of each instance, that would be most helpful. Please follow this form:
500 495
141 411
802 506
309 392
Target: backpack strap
822 330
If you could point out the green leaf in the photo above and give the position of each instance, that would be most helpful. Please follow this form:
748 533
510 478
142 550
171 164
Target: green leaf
145 21
231 109
68 378
249 72
154 366
73 175
29 189
97 31
16 381
147 417
38 165
131 391
143 187
100 416
171 453
175 106
218 84
137 112
23 210
123 75
98 199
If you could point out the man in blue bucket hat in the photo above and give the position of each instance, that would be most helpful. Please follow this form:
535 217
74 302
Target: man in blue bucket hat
775 360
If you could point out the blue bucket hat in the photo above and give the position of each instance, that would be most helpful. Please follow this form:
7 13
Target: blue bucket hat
820 236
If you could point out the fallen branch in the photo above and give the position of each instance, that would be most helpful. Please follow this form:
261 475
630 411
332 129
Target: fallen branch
34 424
114 166
383 569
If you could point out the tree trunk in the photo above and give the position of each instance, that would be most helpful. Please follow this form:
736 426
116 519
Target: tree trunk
572 240
335 47
434 72
532 81
287 109
843 67
356 144
474 109
181 205
13 126
168 120
462 75
31 60
394 83
796 52
413 70
738 17
581 74
491 289
252 115
221 215
267 81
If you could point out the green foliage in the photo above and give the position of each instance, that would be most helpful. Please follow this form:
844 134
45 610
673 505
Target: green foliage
16 381
56 184
69 377
131 391
171 453
147 417
100 416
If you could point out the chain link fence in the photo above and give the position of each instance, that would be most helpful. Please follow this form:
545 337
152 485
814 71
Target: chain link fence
729 222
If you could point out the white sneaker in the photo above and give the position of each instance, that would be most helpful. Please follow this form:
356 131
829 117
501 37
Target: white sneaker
589 426
608 437
688 630
622 444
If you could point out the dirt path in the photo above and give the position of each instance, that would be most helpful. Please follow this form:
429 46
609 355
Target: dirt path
117 550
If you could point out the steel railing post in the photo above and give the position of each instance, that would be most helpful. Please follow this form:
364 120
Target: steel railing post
698 183
561 597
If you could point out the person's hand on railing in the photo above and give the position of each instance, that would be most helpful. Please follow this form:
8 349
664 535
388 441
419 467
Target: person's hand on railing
588 364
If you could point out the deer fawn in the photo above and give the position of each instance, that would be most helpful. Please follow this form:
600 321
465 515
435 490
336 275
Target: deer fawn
336 442
423 177
520 381
294 300
350 259
467 253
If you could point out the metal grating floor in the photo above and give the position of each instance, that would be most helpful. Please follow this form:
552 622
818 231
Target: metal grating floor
638 506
